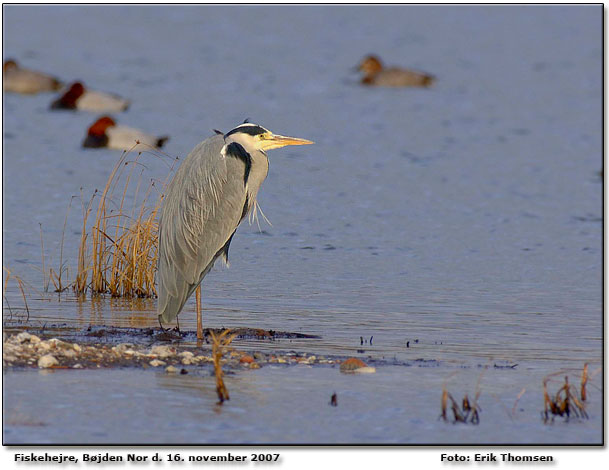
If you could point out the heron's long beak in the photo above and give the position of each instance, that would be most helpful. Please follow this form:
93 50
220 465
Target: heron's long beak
277 141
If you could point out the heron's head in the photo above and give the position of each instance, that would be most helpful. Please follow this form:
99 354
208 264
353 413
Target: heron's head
370 64
253 136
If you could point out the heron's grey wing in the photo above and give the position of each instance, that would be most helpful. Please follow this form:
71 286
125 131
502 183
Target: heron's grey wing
201 210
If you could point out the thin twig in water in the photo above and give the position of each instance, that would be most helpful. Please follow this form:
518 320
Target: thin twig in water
20 284
517 400
584 381
219 344
45 283
63 234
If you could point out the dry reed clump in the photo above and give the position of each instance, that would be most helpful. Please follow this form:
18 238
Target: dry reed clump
468 412
218 348
118 253
566 402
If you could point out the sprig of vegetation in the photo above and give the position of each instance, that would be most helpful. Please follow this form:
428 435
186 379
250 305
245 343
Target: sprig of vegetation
218 348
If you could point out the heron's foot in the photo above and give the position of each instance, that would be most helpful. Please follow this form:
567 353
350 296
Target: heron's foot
169 334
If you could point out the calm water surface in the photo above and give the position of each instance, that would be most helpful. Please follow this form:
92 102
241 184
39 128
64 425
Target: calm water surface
467 216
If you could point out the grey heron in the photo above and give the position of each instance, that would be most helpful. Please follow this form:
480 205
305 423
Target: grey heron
211 193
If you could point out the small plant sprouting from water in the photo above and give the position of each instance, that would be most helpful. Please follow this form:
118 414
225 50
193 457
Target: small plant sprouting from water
467 412
584 382
218 348
21 286
565 402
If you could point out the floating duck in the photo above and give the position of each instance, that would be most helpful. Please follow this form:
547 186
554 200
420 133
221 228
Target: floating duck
20 80
80 98
105 133
376 75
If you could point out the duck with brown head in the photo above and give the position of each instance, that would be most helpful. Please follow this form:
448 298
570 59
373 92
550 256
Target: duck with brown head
70 97
80 98
16 79
106 133
375 74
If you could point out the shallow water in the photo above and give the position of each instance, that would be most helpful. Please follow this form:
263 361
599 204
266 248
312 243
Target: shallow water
467 216
276 405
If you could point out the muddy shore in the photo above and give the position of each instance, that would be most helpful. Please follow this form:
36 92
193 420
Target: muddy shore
108 347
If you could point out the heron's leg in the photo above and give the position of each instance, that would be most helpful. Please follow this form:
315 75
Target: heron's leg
199 319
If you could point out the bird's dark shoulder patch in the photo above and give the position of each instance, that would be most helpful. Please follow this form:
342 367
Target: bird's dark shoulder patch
236 150
95 141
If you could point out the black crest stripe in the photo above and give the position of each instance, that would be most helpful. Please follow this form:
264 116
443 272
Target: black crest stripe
236 150
251 130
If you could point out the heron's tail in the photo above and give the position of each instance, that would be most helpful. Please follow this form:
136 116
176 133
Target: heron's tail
170 305
172 309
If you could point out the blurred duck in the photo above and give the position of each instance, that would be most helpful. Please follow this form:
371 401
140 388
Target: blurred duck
105 133
376 75
80 98
19 80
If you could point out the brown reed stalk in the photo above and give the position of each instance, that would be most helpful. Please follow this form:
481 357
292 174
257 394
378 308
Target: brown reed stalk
8 275
83 268
20 284
45 284
518 397
584 381
444 415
